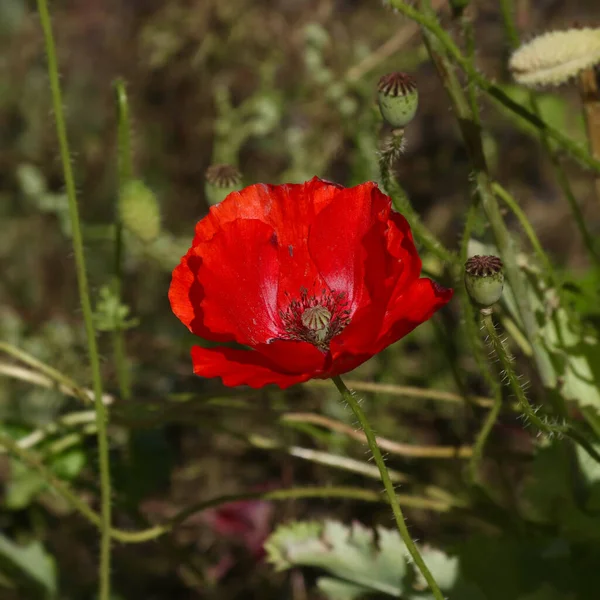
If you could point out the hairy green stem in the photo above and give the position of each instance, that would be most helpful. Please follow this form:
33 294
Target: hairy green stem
431 24
125 169
86 306
472 136
483 435
402 204
348 397
512 381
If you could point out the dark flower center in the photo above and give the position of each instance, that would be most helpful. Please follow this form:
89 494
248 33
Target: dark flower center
316 319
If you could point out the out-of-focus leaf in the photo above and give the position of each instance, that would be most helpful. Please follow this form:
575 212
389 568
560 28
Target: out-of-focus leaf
547 592
553 109
444 568
551 498
25 484
30 567
350 553
335 589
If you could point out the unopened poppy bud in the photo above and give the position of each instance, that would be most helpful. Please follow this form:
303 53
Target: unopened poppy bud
398 99
139 211
484 279
221 180
554 57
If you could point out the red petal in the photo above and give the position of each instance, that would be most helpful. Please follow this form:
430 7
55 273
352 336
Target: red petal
238 276
241 367
288 208
415 306
347 243
295 357
186 294
404 262
392 264
423 298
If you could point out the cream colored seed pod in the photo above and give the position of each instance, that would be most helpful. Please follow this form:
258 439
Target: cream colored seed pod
555 57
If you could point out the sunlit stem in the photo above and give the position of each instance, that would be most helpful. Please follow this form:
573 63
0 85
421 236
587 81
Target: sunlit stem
349 397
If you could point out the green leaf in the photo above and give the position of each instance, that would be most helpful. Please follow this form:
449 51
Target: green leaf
30 567
335 589
444 568
350 553
550 493
25 484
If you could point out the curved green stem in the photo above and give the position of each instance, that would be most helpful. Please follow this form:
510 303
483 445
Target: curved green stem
512 204
144 535
86 306
348 396
512 380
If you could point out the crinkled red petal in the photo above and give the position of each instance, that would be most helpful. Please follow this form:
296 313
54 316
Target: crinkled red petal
238 275
347 243
420 301
290 210
392 265
414 306
186 295
295 357
241 367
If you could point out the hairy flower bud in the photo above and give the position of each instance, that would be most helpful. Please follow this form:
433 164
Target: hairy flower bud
484 280
221 180
139 211
554 57
398 99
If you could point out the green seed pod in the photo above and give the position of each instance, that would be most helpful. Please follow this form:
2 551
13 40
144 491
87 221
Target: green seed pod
484 280
221 180
398 99
139 211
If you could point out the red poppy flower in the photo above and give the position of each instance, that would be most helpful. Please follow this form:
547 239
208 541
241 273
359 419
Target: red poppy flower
313 278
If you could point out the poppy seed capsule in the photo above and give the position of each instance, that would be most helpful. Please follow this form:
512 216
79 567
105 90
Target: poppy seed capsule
139 211
398 98
484 280
221 180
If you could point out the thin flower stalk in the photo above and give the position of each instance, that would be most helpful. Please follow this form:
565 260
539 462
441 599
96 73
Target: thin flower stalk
512 380
349 397
94 357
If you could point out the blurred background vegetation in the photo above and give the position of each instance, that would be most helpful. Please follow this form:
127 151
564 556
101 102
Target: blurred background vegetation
284 90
